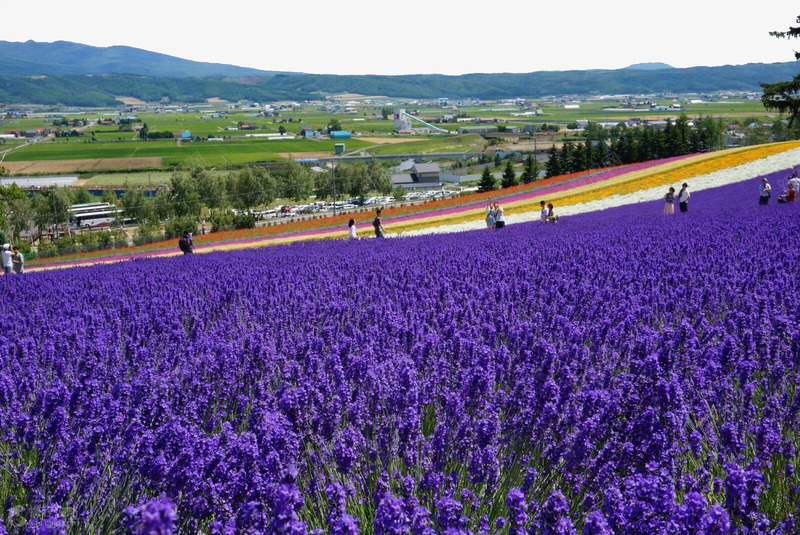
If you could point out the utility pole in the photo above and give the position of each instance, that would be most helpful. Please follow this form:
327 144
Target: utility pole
333 180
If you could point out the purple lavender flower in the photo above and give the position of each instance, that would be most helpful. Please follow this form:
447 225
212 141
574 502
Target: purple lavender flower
156 517
390 518
715 521
595 524
517 512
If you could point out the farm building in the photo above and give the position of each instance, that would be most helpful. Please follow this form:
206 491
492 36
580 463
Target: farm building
422 176
477 129
340 134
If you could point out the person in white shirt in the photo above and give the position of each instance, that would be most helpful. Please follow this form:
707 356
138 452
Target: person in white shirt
544 213
764 192
794 181
8 263
683 198
352 235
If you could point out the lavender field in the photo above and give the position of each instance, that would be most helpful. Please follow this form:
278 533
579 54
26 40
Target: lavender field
618 372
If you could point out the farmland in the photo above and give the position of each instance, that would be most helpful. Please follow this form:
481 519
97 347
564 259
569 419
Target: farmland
210 153
106 147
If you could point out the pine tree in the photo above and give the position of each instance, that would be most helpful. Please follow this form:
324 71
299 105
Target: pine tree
487 182
531 170
553 163
509 176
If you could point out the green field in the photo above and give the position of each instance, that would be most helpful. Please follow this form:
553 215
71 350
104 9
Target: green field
213 153
467 142
142 178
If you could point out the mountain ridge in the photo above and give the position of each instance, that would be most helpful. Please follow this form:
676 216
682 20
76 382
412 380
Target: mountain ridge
649 66
67 57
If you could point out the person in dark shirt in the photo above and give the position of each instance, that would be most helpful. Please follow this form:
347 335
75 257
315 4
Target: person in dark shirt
376 223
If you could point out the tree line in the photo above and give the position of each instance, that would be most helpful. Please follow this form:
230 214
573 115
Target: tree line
623 145
192 195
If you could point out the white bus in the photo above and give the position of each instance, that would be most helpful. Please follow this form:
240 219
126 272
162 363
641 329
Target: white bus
100 219
89 207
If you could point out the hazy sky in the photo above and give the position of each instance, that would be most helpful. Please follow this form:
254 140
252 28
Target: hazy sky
419 36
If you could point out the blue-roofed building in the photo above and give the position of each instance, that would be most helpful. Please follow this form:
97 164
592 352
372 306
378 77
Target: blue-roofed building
186 134
340 134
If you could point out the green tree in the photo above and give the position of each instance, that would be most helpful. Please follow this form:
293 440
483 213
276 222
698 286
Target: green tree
210 187
530 170
334 124
323 185
487 182
20 216
109 196
163 206
81 196
296 182
8 195
4 171
379 179
553 165
353 178
509 176
51 208
785 96
399 193
281 129
186 199
497 159
135 204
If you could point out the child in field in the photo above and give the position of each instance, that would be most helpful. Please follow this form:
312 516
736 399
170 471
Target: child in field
352 235
543 212
551 214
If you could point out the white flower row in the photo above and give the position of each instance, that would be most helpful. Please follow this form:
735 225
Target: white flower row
732 175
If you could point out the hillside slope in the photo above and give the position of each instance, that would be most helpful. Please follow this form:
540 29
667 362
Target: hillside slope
65 57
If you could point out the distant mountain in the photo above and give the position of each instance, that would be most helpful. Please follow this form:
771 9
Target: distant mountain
65 57
102 90
648 67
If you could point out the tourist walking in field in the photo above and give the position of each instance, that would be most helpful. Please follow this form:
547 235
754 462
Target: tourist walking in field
669 202
499 219
490 215
551 214
5 254
790 195
352 234
377 225
18 260
186 243
683 198
764 192
544 213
